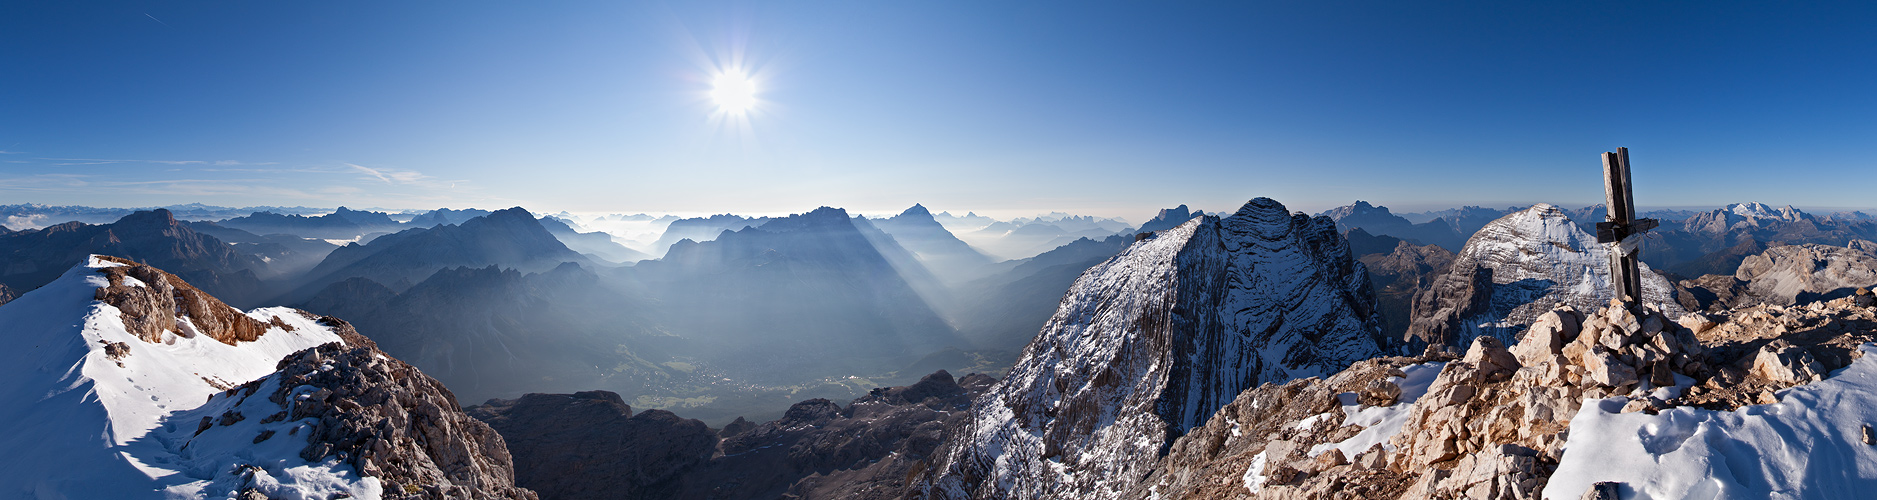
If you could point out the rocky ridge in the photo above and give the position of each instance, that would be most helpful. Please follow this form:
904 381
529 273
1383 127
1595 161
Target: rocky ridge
114 361
353 404
1149 343
1494 422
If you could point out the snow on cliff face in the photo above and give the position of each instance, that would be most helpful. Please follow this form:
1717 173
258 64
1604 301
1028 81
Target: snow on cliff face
1810 444
1152 342
85 419
1516 268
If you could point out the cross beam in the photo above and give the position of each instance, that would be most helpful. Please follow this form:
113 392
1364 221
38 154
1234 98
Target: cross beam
1621 229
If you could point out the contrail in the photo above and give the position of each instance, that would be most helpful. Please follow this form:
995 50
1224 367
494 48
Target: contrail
158 21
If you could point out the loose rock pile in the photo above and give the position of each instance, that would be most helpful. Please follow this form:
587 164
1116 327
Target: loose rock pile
1493 423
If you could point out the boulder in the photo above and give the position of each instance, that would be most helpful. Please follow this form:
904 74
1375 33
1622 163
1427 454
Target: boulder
1491 358
1606 370
1783 363
1544 341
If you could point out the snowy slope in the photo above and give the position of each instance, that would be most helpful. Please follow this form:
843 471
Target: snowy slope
82 426
1516 268
1809 445
1153 341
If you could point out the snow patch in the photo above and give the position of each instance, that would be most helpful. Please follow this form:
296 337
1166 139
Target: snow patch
1254 475
1809 445
1380 423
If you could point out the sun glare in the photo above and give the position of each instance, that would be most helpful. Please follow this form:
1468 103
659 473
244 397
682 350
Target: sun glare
734 92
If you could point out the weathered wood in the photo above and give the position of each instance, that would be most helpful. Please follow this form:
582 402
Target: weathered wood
1621 224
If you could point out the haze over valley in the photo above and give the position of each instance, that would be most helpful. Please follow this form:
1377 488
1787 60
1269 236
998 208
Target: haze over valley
736 250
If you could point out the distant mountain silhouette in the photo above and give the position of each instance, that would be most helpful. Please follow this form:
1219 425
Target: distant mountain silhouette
446 216
702 229
597 244
35 257
491 332
1168 218
811 296
510 238
286 255
948 257
1379 221
1006 309
342 224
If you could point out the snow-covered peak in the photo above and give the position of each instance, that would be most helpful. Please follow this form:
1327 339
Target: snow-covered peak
1151 342
1515 268
90 403
1756 210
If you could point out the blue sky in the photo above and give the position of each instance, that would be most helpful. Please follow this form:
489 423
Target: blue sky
1008 108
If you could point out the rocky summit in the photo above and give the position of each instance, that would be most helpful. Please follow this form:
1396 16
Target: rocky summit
128 382
1587 403
1147 345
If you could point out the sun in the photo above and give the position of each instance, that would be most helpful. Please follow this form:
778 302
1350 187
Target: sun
734 92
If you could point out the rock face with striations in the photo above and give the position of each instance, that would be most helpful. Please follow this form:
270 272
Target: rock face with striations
1150 343
1515 269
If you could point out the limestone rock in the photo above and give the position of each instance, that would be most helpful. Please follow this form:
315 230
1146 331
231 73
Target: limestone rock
1787 364
1492 359
153 300
1608 371
1544 341
1601 491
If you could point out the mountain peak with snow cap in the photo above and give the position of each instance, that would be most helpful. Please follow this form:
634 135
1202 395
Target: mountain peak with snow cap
1519 267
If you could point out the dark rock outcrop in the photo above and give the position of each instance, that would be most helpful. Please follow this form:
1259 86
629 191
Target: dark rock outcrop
387 420
1398 276
589 445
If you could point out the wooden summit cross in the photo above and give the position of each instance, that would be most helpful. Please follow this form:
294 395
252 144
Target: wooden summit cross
1621 229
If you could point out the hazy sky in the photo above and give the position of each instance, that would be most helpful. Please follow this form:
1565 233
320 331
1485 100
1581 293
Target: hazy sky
1007 108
